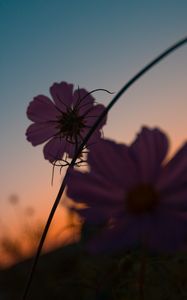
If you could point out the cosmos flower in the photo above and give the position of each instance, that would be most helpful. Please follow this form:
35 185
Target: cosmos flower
141 198
63 122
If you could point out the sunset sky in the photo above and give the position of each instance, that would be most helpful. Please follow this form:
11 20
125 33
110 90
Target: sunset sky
93 44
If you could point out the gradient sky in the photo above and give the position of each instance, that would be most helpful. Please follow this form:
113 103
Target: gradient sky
93 44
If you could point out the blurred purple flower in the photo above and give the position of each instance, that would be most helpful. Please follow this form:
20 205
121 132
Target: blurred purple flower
65 121
140 197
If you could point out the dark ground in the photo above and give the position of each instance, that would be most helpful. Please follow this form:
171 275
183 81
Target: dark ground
69 273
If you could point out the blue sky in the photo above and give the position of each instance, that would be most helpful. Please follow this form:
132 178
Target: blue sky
93 44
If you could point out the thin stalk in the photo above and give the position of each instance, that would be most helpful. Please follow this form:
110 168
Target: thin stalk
110 105
44 234
126 87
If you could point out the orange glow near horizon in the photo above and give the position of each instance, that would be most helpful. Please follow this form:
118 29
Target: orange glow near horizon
60 232
20 239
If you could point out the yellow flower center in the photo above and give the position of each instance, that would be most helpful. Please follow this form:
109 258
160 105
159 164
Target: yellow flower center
142 198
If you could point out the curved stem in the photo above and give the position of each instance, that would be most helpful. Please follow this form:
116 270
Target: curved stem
110 105
127 86
44 234
79 100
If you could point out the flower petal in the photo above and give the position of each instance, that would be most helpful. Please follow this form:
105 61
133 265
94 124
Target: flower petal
93 189
174 174
124 236
94 138
39 133
113 162
98 215
54 149
62 94
175 200
167 232
70 149
92 114
158 233
82 101
42 109
148 151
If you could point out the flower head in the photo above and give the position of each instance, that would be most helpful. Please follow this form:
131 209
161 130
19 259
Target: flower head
63 122
140 198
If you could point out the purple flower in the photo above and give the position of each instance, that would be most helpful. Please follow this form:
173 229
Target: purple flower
63 122
137 195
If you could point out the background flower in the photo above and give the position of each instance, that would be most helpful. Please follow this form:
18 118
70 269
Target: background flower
63 122
140 198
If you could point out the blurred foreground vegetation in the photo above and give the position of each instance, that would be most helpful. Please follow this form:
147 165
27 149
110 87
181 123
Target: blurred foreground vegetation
69 273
